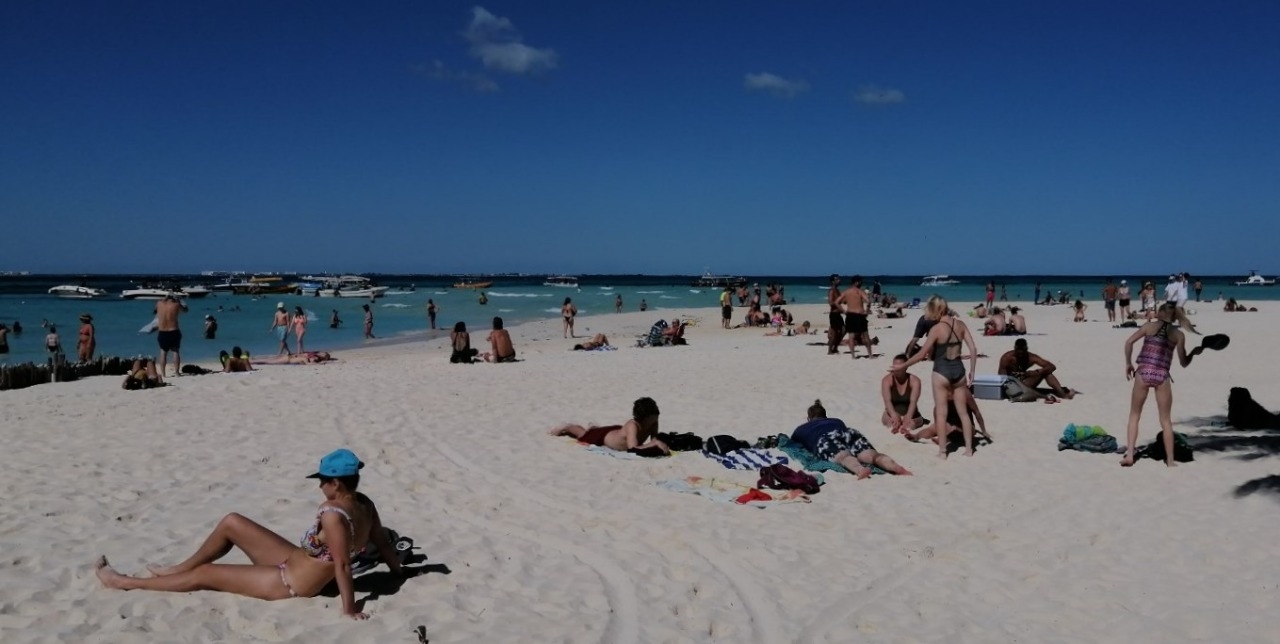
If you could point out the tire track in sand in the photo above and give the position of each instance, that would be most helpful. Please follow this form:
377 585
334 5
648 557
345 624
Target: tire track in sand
624 622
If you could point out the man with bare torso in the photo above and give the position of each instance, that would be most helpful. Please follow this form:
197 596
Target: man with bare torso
280 326
168 336
500 348
855 302
641 432
835 327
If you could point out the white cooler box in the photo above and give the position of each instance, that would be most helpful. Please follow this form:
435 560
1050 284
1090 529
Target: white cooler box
989 387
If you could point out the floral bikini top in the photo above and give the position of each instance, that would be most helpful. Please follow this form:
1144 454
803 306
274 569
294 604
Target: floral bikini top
310 542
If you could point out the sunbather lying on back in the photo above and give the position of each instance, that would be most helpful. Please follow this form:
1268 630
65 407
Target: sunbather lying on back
594 343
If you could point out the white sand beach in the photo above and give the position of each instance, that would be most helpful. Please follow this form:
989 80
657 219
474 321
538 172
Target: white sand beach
534 539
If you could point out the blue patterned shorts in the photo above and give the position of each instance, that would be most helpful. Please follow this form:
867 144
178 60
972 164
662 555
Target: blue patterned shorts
841 440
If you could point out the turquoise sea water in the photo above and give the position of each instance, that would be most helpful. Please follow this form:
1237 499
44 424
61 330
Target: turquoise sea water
245 321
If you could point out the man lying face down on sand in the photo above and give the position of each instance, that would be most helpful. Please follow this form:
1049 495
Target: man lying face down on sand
641 432
831 439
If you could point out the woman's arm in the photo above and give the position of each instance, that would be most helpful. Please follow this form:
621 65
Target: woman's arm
379 537
1128 350
336 533
914 386
973 350
929 340
886 384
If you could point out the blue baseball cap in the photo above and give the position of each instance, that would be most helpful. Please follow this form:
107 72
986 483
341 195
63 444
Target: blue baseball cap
339 462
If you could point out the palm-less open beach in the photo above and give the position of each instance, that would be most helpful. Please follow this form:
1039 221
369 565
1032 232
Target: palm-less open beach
535 539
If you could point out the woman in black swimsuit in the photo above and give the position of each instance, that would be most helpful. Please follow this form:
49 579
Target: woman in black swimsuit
901 391
944 343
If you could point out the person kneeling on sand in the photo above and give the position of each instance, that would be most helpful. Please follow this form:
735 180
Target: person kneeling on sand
235 362
599 340
1030 370
641 432
346 523
831 439
901 391
500 349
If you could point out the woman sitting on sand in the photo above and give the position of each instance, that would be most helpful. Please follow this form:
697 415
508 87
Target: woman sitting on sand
1080 307
345 524
237 361
900 391
954 424
462 351
594 343
1160 338
995 324
944 344
831 439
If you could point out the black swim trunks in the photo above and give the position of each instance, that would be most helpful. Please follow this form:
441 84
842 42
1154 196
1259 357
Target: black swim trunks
726 312
855 322
1109 304
836 321
169 340
1124 304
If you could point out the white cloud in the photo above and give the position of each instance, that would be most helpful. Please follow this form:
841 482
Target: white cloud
774 84
874 95
496 43
471 80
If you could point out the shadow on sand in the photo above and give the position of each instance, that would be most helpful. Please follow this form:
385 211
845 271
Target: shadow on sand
1246 445
383 583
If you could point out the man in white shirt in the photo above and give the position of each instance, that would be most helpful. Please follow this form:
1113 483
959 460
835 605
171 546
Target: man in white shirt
1171 289
1176 292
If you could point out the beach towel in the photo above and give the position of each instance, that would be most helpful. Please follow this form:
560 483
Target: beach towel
597 449
805 459
722 491
747 459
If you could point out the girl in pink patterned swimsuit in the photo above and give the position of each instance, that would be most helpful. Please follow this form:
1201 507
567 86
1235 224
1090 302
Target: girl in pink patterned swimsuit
1159 341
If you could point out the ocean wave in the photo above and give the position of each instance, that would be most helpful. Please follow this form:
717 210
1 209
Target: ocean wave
395 306
668 297
651 292
606 288
503 294
506 310
441 292
694 290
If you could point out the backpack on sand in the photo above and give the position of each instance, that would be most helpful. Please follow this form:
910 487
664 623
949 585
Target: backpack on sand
781 477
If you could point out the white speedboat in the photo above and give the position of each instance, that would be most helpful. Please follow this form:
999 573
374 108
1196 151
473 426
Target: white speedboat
1254 279
73 292
562 281
718 281
938 280
196 291
365 293
151 293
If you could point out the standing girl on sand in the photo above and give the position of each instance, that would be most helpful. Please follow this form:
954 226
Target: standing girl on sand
568 311
299 325
944 344
1159 340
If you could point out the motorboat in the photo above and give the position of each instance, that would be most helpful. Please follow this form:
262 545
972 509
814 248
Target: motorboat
367 293
146 292
262 286
475 285
561 281
1254 279
196 291
73 292
938 280
708 280
309 289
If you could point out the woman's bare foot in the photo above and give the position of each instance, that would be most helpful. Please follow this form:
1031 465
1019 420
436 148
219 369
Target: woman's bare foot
157 570
1127 461
942 455
1170 463
864 473
108 575
968 451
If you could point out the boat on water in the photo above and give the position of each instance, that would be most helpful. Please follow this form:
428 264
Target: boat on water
196 291
1254 279
709 280
561 281
470 284
151 292
73 292
938 280
263 285
367 292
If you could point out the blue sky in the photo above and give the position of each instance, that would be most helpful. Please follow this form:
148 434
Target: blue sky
660 137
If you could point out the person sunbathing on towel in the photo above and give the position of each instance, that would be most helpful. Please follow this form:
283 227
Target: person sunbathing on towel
831 439
306 357
1031 370
594 343
641 432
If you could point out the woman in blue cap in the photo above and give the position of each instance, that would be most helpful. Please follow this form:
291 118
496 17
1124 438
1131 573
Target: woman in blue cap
345 522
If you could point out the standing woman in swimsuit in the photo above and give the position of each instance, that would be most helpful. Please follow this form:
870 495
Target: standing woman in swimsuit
944 343
1159 340
568 310
345 522
299 325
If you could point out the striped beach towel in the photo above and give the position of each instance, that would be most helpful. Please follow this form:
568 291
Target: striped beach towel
747 459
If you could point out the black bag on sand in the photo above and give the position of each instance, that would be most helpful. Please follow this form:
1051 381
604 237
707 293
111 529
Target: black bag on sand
683 442
1181 449
722 444
1243 412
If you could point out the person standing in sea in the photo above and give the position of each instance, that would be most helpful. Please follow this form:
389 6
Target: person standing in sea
368 322
617 303
210 327
88 340
168 336
431 313
280 326
334 320
4 339
644 306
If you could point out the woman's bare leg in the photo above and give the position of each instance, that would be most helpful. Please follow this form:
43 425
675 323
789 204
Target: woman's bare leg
300 336
264 547
1164 402
575 431
966 423
1136 400
261 582
940 393
882 461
